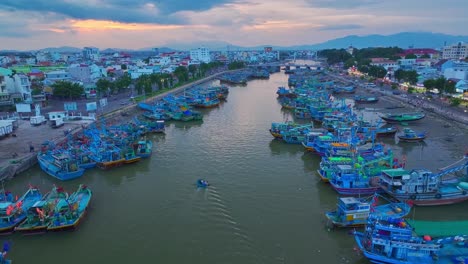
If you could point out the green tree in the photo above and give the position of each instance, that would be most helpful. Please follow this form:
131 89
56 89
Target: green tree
103 86
377 71
36 91
236 65
394 86
455 101
192 68
123 66
429 84
399 75
410 56
66 89
425 56
181 73
450 87
350 63
411 77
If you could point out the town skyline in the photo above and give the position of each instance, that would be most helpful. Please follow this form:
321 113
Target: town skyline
40 24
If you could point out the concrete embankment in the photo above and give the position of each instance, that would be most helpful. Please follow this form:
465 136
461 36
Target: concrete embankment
17 155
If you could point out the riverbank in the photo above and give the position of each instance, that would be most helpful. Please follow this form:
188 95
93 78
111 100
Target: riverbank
16 154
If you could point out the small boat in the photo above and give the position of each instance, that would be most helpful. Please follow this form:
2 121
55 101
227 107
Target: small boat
386 131
359 99
13 213
3 259
353 212
404 117
143 148
409 135
38 215
70 212
393 240
60 166
202 183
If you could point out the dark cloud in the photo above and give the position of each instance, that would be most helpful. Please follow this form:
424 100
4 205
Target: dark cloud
128 11
340 27
342 4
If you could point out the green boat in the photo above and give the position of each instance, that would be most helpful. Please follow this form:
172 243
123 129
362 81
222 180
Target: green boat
39 215
68 213
403 117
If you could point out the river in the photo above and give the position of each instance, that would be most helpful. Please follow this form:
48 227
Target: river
265 204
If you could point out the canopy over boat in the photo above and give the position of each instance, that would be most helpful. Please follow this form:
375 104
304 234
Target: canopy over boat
439 228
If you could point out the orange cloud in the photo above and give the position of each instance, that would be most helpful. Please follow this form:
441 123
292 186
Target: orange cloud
94 25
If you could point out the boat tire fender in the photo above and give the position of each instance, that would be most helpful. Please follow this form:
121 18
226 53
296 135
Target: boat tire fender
413 197
438 196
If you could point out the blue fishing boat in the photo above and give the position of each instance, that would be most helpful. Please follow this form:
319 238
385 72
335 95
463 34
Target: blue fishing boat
59 165
6 249
278 129
68 213
353 212
13 213
38 215
285 92
409 135
360 99
347 89
425 188
349 180
143 148
392 240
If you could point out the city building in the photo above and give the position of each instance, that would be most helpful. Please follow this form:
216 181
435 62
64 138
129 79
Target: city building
455 51
458 70
91 53
14 86
200 54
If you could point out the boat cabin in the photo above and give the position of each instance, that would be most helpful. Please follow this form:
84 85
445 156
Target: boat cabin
353 205
401 181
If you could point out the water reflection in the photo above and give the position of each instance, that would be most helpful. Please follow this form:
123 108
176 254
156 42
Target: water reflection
279 147
186 125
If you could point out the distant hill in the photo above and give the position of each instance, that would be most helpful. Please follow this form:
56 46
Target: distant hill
402 40
64 49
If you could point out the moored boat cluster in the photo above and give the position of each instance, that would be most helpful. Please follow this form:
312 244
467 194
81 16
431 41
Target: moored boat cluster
365 173
35 212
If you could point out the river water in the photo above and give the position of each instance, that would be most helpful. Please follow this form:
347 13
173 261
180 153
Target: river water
265 204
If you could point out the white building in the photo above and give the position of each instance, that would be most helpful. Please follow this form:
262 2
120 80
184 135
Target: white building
459 70
91 53
455 51
200 54
14 86
134 74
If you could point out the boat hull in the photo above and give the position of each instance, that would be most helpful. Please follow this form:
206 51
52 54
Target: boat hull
432 199
64 176
392 120
417 139
133 160
110 164
10 227
355 191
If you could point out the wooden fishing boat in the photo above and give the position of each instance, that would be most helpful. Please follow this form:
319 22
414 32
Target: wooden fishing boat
353 212
278 129
39 214
13 213
143 148
347 180
386 131
409 135
425 188
70 212
60 166
404 117
394 241
359 99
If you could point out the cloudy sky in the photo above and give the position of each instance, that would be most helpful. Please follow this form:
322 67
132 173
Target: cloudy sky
34 24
